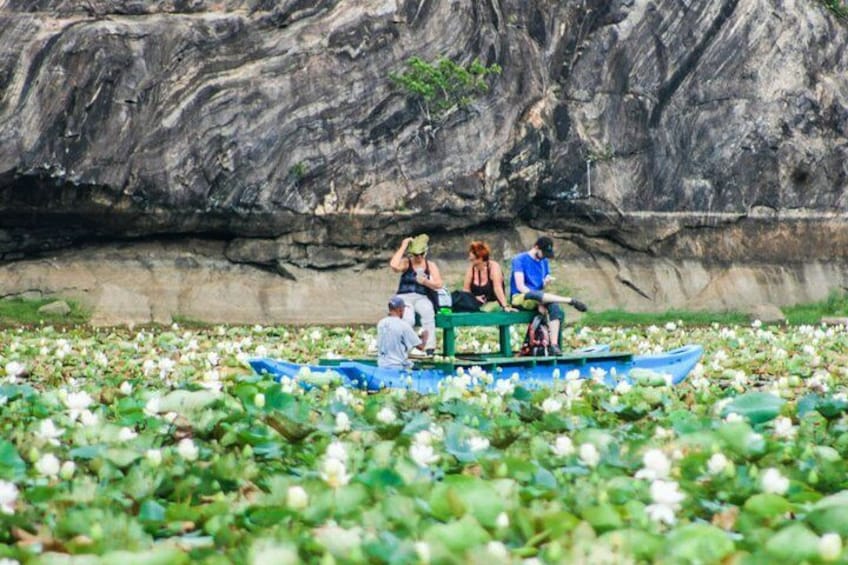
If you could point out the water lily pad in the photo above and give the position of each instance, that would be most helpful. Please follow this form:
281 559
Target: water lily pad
793 544
461 494
756 407
766 505
603 517
12 466
458 536
698 543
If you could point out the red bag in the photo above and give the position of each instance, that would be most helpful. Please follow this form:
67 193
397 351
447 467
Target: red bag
537 341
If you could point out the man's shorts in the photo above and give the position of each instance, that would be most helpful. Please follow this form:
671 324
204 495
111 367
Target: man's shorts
531 301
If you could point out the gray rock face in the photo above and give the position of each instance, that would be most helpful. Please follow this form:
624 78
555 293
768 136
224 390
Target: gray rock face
712 131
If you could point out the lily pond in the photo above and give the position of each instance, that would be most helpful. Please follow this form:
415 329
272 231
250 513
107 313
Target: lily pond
161 446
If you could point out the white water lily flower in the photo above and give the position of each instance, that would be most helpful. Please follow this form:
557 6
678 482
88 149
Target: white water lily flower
551 405
502 521
67 470
100 359
148 367
89 418
187 449
497 550
437 432
48 465
212 358
422 550
127 434
47 430
76 402
297 498
718 407
336 450
126 388
663 433
424 437
315 334
343 395
597 374
733 417
165 366
783 428
151 407
623 387
717 464
504 387
656 466
334 473
666 497
819 382
259 400
661 513
670 326
830 547
573 375
287 385
423 454
342 422
756 324
14 370
154 457
8 497
386 415
477 443
773 482
589 455
563 446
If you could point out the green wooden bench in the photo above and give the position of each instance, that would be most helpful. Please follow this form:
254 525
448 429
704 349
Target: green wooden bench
503 320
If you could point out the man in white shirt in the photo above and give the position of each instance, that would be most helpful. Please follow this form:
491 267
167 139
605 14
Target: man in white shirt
396 338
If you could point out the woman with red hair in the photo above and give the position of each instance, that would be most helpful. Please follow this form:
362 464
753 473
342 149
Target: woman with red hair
484 279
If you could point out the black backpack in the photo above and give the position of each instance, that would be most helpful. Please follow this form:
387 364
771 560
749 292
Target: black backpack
538 338
463 301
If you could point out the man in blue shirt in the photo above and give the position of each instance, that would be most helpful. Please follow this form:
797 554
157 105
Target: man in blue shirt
396 338
531 273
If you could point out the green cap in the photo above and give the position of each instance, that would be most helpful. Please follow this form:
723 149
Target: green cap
418 244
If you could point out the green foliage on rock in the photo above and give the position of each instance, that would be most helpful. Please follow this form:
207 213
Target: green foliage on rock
443 85
838 7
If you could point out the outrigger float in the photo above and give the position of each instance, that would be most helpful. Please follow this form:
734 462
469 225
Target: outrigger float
590 362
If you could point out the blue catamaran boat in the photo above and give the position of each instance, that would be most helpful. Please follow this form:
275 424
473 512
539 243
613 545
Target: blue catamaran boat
593 362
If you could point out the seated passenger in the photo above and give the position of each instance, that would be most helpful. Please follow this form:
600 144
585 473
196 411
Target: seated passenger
419 281
531 273
484 279
396 338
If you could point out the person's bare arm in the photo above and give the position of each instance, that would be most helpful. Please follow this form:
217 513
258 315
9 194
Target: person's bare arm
466 285
519 282
435 280
399 263
498 284
424 335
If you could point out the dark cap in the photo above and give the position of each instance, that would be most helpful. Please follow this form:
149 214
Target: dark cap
546 246
396 302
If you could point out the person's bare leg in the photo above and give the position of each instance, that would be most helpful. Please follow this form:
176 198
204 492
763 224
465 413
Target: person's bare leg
553 325
549 298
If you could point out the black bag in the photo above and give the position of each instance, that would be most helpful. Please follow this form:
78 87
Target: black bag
464 302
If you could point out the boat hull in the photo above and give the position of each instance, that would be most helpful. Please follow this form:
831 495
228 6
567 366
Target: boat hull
671 366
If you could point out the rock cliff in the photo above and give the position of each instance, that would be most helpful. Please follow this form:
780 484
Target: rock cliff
638 132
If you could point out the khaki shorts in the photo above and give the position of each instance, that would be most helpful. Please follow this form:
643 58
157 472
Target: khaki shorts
524 303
